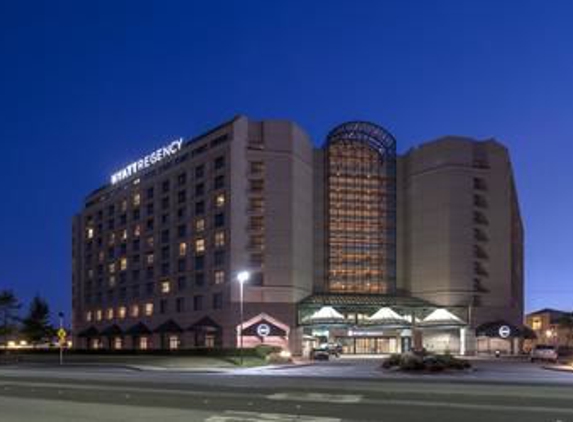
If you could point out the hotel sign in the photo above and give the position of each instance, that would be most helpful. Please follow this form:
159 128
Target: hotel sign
147 161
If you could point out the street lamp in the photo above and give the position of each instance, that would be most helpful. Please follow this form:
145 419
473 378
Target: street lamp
242 277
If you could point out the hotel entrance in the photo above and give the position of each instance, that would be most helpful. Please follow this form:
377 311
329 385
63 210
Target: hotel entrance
368 345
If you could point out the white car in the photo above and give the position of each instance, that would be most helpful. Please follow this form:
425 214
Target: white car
544 352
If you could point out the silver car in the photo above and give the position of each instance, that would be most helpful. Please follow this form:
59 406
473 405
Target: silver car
544 352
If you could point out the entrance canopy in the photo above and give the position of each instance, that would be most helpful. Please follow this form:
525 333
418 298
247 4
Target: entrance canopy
326 315
442 317
387 317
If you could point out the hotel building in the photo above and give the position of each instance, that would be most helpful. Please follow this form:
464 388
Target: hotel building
348 242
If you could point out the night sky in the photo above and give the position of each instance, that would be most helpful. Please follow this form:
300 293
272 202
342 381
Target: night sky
87 87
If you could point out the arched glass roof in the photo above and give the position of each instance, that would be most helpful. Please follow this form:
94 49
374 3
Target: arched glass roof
375 136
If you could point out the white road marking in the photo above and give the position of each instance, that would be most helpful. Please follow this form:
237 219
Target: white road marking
317 397
233 416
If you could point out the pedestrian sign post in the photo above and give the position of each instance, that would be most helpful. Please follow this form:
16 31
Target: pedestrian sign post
62 334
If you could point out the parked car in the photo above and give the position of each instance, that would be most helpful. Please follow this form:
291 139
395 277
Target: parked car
544 352
320 353
332 348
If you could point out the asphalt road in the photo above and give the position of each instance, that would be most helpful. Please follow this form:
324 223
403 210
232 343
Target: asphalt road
278 395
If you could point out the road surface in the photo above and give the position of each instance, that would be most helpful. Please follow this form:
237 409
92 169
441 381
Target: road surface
30 394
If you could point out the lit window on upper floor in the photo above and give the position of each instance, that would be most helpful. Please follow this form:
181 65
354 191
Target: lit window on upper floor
256 167
220 200
124 205
199 225
90 233
123 264
99 315
219 277
109 314
182 249
134 311
124 235
111 268
149 259
89 316
149 309
199 245
111 281
150 241
165 286
122 312
536 324
111 239
136 199
137 230
219 239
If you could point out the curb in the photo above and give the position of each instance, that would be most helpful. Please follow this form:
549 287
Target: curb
559 368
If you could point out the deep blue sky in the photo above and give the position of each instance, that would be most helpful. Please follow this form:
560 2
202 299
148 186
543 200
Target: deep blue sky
86 87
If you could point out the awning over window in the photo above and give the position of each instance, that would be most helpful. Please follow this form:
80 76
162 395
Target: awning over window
112 331
326 315
205 324
168 326
89 332
139 329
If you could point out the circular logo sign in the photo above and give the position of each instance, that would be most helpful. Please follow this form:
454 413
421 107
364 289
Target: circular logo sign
504 331
263 330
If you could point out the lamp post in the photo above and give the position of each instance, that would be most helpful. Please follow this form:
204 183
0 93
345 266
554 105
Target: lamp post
242 277
61 319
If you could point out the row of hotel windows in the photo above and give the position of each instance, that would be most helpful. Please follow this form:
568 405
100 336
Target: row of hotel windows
200 248
148 309
200 209
148 289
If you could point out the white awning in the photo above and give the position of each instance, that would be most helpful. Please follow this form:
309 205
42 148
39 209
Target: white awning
326 314
442 317
386 316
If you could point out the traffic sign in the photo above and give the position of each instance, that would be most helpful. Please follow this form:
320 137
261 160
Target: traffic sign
62 334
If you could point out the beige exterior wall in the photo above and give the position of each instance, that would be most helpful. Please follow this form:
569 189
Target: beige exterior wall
436 200
287 265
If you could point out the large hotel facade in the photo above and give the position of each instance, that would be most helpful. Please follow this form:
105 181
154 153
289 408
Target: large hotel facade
349 243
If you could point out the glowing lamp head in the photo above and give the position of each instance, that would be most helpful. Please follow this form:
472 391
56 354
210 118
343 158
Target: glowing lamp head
243 276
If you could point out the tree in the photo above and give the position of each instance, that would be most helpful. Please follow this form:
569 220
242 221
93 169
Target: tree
9 307
36 325
566 323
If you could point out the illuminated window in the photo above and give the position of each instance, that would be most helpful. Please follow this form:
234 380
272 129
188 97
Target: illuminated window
109 313
135 311
220 200
137 230
182 249
165 287
111 281
173 342
219 277
200 245
136 199
122 312
219 239
148 309
124 205
123 264
89 316
111 268
150 241
100 256
536 324
257 167
90 232
124 235
143 343
117 343
111 238
149 259
99 315
200 225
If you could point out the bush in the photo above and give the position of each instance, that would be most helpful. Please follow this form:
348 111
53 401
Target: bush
411 362
265 350
275 358
392 361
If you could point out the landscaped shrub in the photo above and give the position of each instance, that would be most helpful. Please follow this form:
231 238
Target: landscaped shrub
276 358
264 350
411 362
391 361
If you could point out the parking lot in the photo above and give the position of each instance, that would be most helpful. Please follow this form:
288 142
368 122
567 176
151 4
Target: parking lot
518 370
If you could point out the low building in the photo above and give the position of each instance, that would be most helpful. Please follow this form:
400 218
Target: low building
551 326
